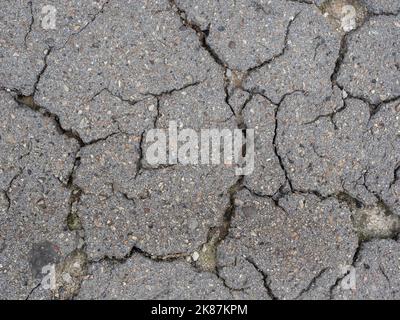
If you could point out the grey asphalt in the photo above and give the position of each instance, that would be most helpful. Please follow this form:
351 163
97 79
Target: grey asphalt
321 209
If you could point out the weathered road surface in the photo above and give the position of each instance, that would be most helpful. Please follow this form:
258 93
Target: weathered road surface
83 82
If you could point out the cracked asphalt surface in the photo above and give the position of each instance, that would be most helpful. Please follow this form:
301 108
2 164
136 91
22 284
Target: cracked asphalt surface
77 101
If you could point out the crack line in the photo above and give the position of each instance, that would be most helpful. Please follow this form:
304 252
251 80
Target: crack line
266 280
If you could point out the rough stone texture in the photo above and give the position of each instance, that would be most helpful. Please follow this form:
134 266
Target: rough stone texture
376 270
135 279
163 211
156 50
34 160
320 154
364 76
105 114
382 6
325 155
291 244
25 43
382 178
306 63
78 190
72 17
19 65
199 106
268 176
242 33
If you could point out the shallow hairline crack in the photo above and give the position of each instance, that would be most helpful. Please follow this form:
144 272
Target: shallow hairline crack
73 34
330 115
225 284
373 107
265 277
139 164
296 190
341 197
270 100
75 190
384 274
51 48
275 137
93 18
33 290
396 175
113 94
29 102
312 283
159 96
381 269
202 36
42 71
200 33
202 39
30 25
74 134
383 13
230 211
265 196
136 250
344 43
170 92
343 50
283 51
303 2
7 192
226 91
355 258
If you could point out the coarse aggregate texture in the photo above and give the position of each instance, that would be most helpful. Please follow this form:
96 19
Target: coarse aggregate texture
84 83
